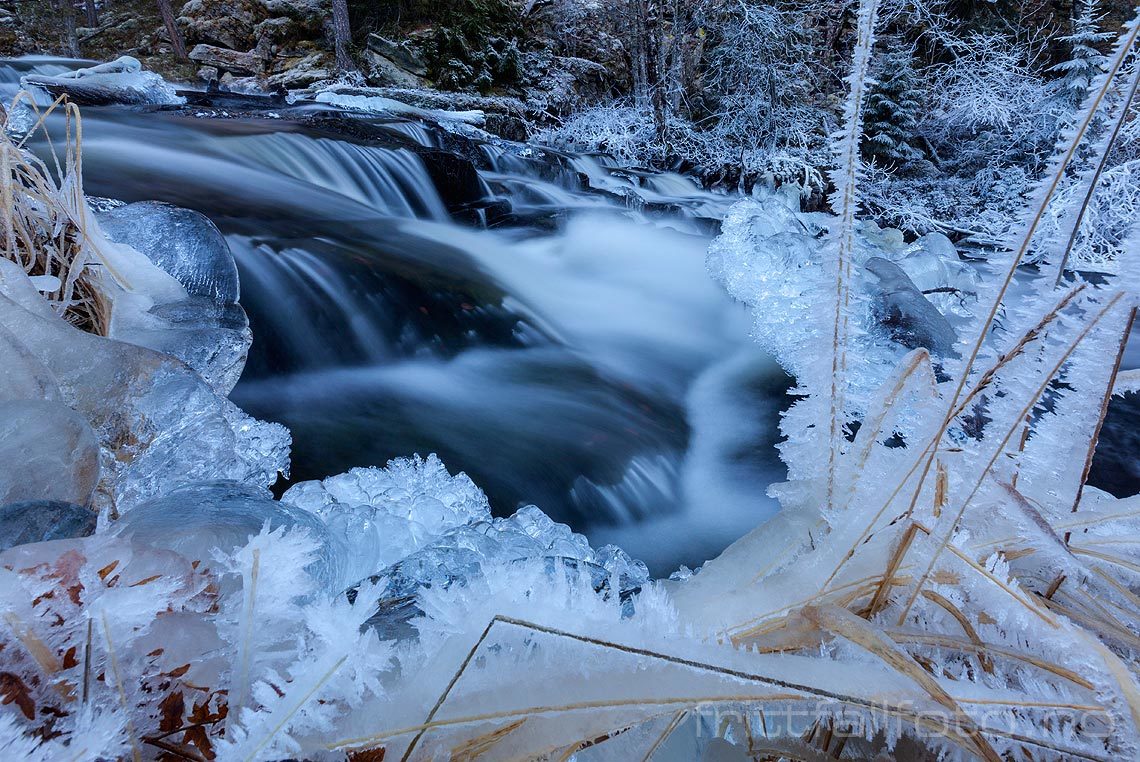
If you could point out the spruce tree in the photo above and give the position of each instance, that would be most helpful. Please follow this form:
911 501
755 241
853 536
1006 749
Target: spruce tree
891 111
1085 62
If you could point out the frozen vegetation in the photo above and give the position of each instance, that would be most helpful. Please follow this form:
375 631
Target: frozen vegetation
939 583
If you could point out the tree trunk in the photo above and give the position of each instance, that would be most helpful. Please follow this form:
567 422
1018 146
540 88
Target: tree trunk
172 29
67 16
651 15
92 13
342 36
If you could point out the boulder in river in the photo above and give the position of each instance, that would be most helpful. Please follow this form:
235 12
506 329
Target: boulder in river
908 316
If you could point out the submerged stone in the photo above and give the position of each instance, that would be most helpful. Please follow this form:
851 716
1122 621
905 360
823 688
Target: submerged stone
43 520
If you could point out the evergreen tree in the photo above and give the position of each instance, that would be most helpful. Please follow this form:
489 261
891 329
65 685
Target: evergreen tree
891 111
1085 62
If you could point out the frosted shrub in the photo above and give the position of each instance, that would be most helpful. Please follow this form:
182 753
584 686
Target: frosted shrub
623 131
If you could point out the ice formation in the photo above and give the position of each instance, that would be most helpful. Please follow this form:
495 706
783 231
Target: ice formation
182 242
201 600
56 451
771 258
206 327
383 515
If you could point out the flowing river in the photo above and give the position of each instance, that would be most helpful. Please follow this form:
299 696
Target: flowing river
542 321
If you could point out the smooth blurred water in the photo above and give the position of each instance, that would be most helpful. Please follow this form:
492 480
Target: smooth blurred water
576 355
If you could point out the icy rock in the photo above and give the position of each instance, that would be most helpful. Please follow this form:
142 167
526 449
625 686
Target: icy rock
22 376
469 550
194 520
211 337
121 81
47 452
184 243
932 262
159 425
908 316
43 520
383 515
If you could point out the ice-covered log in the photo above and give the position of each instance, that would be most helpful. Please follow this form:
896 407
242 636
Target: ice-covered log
47 452
121 81
359 99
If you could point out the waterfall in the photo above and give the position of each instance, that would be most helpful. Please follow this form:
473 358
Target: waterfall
551 353
393 182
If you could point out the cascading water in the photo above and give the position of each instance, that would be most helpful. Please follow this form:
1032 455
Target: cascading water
574 354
